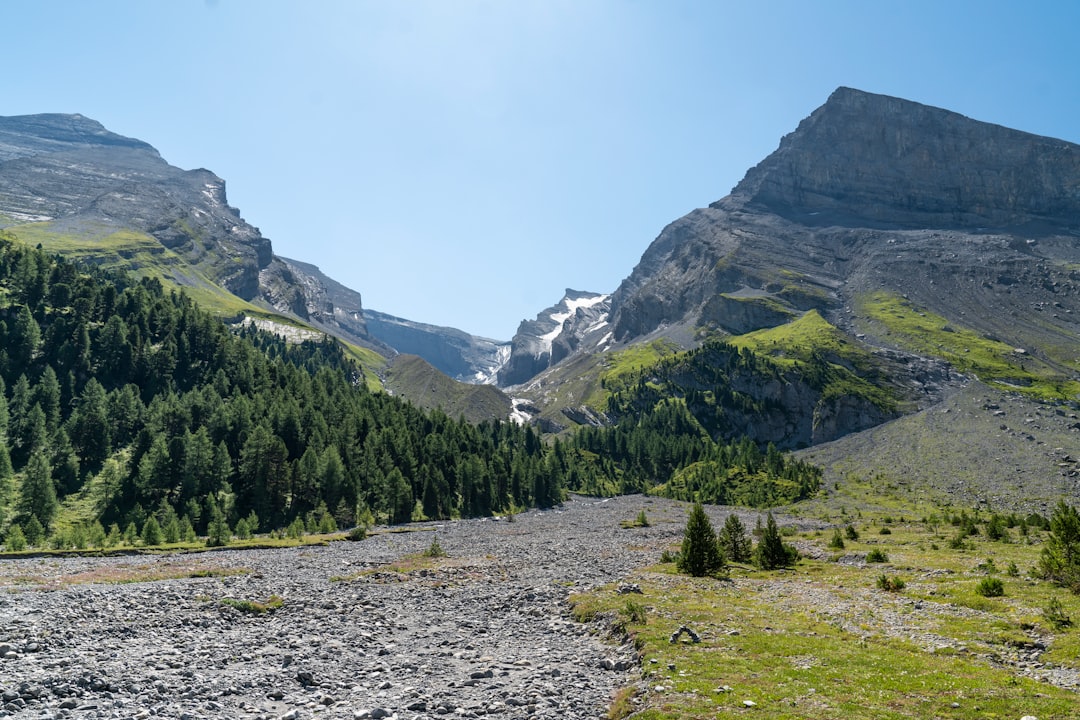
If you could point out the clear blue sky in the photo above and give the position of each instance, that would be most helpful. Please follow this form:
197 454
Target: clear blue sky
462 162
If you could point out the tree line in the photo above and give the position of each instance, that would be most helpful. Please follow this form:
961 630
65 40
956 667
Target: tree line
128 396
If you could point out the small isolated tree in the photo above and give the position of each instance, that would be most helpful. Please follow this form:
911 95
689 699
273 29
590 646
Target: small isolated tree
772 552
735 541
701 553
1060 559
837 540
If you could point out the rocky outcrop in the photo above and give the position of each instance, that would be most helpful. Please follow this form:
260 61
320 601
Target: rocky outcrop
89 182
464 357
579 319
864 158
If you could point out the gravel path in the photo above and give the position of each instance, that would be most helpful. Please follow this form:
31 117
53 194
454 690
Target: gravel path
484 632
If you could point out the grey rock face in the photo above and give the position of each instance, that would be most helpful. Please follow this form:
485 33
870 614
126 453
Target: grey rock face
866 157
464 357
578 320
91 182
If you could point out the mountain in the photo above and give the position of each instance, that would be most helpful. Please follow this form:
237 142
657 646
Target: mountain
555 334
463 357
920 249
73 186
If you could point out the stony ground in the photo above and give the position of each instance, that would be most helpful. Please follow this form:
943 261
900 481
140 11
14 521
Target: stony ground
483 632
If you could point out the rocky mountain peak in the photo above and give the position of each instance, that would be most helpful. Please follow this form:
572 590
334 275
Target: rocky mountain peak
28 135
864 158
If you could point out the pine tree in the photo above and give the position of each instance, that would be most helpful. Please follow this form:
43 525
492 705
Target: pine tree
15 540
218 533
771 552
700 554
1060 559
38 492
151 532
735 541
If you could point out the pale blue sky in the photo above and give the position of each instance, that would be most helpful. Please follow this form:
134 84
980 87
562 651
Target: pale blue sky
462 162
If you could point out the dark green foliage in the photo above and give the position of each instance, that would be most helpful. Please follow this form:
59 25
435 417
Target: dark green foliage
990 587
218 532
38 499
772 552
1060 558
890 584
700 554
996 528
735 541
877 555
837 540
15 540
151 532
273 428
665 445
851 533
34 531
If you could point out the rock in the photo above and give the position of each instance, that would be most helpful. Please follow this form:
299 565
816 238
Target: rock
694 638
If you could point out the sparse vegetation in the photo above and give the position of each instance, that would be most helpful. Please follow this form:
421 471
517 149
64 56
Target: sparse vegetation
254 607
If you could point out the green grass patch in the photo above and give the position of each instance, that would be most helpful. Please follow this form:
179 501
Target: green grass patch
992 361
827 641
254 607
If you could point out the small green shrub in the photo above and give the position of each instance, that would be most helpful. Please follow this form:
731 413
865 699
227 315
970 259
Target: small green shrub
642 520
253 606
877 555
990 587
837 540
635 612
357 533
851 533
1055 615
435 550
669 557
15 539
884 531
890 584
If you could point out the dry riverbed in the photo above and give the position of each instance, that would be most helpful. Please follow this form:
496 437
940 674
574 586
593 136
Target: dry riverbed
349 630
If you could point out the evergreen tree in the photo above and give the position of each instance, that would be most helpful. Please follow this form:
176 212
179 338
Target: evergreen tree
38 492
35 532
218 533
1060 558
15 540
700 553
735 541
771 552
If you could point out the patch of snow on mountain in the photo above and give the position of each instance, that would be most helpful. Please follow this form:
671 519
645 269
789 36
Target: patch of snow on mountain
572 306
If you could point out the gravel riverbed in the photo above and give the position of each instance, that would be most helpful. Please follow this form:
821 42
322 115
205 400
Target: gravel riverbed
486 631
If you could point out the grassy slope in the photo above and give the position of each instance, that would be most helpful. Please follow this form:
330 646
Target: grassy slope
412 378
921 331
823 641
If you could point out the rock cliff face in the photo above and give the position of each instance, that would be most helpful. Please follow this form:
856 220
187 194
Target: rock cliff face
87 181
464 357
870 158
871 192
579 320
